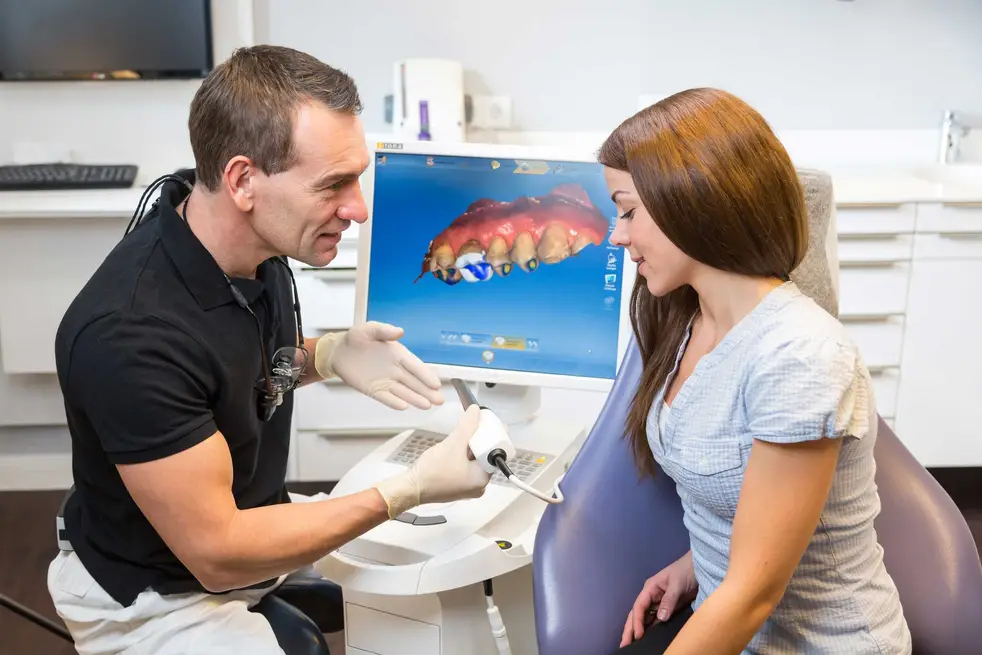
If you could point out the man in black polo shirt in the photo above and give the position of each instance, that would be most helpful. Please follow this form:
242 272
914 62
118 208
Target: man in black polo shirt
177 361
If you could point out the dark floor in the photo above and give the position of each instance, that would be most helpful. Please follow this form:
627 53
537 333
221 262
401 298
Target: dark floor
27 545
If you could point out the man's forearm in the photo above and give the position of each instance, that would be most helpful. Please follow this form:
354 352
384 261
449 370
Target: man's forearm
724 623
266 542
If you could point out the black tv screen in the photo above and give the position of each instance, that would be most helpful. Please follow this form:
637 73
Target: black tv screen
104 39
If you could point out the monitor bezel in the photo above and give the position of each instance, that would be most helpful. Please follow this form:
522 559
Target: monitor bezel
500 151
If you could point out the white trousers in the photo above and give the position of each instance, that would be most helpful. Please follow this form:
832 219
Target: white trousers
188 623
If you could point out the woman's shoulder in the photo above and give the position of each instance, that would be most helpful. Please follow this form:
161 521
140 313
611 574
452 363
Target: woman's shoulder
806 375
800 327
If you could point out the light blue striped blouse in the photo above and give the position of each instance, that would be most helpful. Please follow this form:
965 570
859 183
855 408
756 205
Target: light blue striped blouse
787 372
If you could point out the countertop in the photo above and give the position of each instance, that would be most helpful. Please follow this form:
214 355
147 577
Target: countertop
958 183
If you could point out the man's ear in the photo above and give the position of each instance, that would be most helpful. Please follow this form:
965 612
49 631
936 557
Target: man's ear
239 180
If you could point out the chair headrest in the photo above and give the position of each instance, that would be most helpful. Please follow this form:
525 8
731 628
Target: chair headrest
817 275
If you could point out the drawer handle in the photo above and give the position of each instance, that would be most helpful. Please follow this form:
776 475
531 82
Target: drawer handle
962 203
873 236
886 262
867 205
961 236
331 274
872 263
868 318
873 318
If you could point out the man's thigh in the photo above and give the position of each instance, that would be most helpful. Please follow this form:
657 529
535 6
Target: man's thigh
184 623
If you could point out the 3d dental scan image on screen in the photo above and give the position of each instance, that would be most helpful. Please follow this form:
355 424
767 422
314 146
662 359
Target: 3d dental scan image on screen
497 263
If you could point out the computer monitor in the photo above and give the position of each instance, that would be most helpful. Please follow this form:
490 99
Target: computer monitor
496 261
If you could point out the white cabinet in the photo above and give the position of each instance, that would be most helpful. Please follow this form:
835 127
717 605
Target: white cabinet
939 412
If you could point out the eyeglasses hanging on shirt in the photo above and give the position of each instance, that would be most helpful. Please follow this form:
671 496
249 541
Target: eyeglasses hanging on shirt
281 373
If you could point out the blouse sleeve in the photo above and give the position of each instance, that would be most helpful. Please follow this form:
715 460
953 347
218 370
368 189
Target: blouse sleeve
808 388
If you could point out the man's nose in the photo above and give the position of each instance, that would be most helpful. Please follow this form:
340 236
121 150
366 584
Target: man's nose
353 208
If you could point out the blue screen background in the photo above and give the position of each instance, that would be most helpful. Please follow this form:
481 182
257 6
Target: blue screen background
559 319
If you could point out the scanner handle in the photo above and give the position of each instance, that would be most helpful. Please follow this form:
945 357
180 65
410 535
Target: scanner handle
467 397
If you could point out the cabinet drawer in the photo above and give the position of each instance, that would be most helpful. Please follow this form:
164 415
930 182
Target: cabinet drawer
936 217
385 633
948 245
885 385
335 407
875 219
327 298
868 249
880 342
873 291
327 457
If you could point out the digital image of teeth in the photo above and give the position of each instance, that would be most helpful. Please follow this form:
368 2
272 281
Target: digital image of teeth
493 236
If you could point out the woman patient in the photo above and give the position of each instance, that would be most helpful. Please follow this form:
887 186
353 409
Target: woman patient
753 399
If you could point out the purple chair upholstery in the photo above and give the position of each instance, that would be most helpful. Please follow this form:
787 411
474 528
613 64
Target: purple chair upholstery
594 551
930 552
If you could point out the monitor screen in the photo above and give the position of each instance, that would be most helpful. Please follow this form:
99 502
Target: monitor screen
104 39
496 260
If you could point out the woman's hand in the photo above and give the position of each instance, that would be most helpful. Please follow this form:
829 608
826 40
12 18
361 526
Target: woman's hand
670 588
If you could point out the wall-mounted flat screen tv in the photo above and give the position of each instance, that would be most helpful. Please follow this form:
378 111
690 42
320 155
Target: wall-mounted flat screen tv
105 39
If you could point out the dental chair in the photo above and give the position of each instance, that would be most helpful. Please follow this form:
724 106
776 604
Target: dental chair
594 551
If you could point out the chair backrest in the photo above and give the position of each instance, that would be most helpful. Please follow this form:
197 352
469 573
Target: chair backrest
594 551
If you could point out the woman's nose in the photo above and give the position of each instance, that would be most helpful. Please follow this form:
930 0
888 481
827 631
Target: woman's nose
619 236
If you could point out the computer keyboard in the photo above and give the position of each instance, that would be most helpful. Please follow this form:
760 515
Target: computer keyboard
61 176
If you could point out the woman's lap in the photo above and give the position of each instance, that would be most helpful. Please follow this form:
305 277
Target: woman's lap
657 637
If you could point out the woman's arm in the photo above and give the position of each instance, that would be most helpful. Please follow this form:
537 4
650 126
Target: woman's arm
802 399
784 490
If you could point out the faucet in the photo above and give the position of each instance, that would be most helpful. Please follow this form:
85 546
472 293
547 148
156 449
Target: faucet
955 126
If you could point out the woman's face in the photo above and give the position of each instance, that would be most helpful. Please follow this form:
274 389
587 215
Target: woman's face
660 262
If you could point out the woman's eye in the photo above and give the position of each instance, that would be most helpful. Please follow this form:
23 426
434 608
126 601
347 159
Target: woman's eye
628 214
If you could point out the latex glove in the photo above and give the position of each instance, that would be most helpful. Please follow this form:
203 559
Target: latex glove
445 472
369 358
664 592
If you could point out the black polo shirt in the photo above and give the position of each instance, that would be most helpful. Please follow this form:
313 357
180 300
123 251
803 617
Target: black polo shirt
154 356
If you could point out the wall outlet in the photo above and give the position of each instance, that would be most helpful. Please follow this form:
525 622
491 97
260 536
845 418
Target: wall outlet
492 112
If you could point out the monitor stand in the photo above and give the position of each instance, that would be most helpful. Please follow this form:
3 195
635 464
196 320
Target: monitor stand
516 405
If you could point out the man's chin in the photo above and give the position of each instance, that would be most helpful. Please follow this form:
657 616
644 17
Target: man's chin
319 259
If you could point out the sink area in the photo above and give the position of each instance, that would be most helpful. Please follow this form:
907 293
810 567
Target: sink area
953 181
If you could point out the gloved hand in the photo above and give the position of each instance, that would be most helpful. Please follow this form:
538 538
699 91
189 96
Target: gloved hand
444 473
369 358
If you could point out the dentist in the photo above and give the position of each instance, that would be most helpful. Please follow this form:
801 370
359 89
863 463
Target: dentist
177 362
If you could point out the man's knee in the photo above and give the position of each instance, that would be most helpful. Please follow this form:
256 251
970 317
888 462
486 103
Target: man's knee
320 599
296 633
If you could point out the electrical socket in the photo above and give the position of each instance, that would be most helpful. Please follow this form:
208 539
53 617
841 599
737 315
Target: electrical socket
492 112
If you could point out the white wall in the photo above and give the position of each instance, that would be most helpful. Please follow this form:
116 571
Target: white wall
581 64
570 65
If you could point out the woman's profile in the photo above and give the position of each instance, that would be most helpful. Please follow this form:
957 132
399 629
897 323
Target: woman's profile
752 398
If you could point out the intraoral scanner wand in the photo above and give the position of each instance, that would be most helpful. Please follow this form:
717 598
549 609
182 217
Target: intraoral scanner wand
492 447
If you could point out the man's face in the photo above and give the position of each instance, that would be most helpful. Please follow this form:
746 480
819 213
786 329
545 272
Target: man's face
302 211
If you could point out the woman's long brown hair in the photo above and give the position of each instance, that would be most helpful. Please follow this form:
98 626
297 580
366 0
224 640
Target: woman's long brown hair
719 184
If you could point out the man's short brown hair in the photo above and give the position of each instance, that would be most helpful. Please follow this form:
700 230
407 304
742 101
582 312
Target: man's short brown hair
247 104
